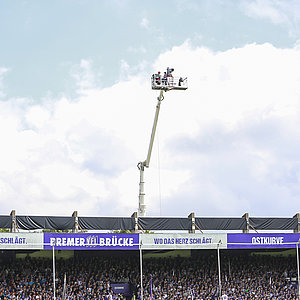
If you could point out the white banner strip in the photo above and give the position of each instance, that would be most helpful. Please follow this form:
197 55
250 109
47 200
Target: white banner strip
183 241
21 240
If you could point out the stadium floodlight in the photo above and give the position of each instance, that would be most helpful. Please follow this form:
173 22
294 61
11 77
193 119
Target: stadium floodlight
164 83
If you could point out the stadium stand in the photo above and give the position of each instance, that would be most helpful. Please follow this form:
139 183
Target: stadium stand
90 275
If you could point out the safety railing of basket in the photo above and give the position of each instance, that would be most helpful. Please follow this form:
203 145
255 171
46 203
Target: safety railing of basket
169 82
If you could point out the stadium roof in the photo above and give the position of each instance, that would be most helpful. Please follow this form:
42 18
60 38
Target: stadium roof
190 223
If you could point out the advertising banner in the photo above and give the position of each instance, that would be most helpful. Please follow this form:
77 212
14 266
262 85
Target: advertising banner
122 288
21 240
262 240
89 241
183 241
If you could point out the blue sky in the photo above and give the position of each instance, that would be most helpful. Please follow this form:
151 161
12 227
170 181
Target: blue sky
44 41
76 107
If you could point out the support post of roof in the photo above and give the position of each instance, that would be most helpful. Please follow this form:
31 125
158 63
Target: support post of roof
297 230
75 215
192 217
246 216
13 221
135 216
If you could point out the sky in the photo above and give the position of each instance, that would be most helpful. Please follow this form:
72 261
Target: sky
77 108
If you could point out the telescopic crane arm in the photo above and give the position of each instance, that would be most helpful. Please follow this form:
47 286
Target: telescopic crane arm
160 98
143 164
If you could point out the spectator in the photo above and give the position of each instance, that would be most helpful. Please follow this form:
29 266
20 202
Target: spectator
245 277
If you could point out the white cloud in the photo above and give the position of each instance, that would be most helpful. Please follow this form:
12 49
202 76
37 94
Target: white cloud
227 145
277 11
252 94
85 77
140 49
2 72
145 23
267 9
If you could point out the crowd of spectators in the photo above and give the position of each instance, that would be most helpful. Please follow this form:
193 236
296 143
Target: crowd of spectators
243 276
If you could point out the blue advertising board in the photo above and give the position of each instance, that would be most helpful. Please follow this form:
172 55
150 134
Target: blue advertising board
262 240
122 288
88 241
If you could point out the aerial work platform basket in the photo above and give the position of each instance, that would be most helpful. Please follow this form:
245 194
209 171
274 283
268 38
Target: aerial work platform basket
167 81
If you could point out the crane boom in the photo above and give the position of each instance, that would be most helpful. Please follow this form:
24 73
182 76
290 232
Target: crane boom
142 165
160 98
